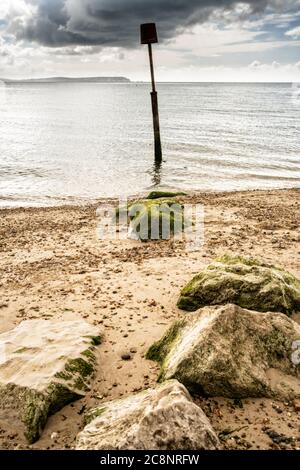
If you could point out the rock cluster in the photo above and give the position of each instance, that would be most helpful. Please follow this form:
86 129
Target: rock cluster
237 342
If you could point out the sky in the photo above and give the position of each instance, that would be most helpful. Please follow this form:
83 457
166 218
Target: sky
199 40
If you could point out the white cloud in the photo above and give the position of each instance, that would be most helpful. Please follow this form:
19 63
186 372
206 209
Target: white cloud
9 9
254 72
294 32
209 40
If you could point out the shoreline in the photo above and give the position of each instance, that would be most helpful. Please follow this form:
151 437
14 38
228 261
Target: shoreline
143 194
53 266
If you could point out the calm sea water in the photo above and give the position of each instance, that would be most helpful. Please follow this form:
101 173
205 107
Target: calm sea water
70 143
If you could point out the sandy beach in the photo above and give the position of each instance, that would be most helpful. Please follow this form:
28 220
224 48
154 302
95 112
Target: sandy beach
53 266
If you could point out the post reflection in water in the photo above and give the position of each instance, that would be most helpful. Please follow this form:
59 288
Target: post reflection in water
156 173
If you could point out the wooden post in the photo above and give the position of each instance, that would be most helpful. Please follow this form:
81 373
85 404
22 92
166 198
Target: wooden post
149 36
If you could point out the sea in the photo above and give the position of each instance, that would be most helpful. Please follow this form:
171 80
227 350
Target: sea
73 143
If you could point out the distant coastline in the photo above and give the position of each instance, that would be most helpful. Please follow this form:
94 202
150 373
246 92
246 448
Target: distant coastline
68 80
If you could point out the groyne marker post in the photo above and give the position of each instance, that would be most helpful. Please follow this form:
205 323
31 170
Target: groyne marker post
149 37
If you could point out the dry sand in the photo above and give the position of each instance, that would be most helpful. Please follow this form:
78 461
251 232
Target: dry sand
53 266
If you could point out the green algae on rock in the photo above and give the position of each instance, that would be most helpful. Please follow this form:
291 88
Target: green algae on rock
156 219
164 194
163 418
231 352
44 366
244 281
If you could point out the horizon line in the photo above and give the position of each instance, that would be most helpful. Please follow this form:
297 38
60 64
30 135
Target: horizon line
130 81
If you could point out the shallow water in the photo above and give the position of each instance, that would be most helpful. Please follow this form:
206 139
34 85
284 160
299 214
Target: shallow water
75 142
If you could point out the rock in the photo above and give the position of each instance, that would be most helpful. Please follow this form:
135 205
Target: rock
133 350
231 352
164 194
278 438
244 282
126 357
296 404
164 418
155 220
44 365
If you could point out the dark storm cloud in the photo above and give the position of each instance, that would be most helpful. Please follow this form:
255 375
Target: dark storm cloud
116 22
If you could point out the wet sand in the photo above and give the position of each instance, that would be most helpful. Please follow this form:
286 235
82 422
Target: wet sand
53 266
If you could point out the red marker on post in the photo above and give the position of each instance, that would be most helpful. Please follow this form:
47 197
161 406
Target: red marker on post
149 36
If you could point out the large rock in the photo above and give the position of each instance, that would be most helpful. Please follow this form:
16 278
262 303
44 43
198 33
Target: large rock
43 366
244 282
164 418
151 219
231 352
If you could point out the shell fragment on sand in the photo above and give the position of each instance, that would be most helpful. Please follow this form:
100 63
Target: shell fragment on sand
164 418
245 282
231 352
44 365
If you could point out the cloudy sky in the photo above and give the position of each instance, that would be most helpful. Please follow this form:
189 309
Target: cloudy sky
200 40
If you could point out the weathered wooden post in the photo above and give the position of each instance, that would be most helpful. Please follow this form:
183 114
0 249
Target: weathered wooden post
149 36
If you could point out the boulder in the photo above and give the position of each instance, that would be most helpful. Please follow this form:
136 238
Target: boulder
244 282
44 365
164 418
231 352
154 219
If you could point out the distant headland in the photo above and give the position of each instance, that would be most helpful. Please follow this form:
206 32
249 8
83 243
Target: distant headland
69 80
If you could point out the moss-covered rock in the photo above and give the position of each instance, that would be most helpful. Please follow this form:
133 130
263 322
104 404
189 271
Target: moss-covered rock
44 365
163 418
164 194
245 282
232 352
156 219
